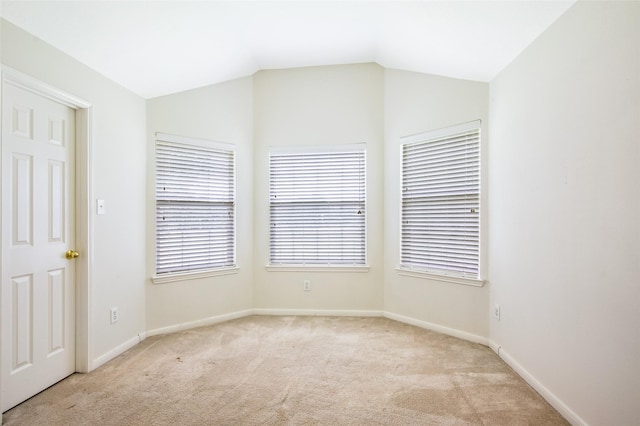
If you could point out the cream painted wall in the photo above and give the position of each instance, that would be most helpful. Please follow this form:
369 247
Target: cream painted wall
416 103
319 106
224 113
565 212
119 160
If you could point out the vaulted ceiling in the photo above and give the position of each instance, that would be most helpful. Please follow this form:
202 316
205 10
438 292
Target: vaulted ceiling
159 47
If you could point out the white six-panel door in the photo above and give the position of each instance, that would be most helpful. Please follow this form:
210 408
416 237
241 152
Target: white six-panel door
38 282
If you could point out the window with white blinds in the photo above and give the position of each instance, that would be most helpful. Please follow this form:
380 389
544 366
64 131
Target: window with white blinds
441 202
317 207
195 202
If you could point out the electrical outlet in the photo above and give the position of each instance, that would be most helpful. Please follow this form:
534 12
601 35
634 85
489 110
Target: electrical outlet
496 311
307 285
114 315
100 208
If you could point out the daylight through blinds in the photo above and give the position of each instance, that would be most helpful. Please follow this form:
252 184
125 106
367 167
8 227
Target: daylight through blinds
317 208
195 218
441 204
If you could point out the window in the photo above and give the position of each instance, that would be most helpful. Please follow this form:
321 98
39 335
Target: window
317 207
195 205
440 230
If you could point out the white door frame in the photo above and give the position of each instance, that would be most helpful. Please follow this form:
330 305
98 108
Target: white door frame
84 189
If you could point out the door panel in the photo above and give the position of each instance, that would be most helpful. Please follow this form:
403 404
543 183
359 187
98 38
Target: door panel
22 200
21 332
38 282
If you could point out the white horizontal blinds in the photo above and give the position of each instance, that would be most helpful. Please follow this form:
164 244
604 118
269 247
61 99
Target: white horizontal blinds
195 215
317 208
441 204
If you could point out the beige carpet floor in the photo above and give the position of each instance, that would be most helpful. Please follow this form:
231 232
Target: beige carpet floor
263 370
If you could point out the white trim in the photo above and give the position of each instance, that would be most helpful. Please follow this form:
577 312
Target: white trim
118 350
84 190
1 253
184 276
475 282
495 347
555 402
552 399
33 85
203 143
314 149
199 323
317 268
444 131
84 237
319 312
438 328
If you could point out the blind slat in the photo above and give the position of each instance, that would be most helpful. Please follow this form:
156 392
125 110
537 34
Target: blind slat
195 208
441 204
317 208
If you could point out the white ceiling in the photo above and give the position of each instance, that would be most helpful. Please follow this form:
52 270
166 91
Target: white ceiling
160 47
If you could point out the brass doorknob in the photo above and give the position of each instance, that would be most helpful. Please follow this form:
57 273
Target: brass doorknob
71 254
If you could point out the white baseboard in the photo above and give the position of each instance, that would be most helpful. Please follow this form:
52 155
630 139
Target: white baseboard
439 328
555 402
102 359
495 347
123 347
318 312
199 323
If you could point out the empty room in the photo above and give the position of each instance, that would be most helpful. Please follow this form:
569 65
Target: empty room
320 212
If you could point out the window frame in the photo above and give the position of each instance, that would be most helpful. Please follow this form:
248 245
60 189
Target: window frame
189 142
319 267
449 276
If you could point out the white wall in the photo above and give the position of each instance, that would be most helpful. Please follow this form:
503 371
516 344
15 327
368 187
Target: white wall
319 106
564 251
416 103
565 212
224 113
119 159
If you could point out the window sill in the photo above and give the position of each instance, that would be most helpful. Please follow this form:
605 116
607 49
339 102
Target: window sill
183 276
317 268
475 282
